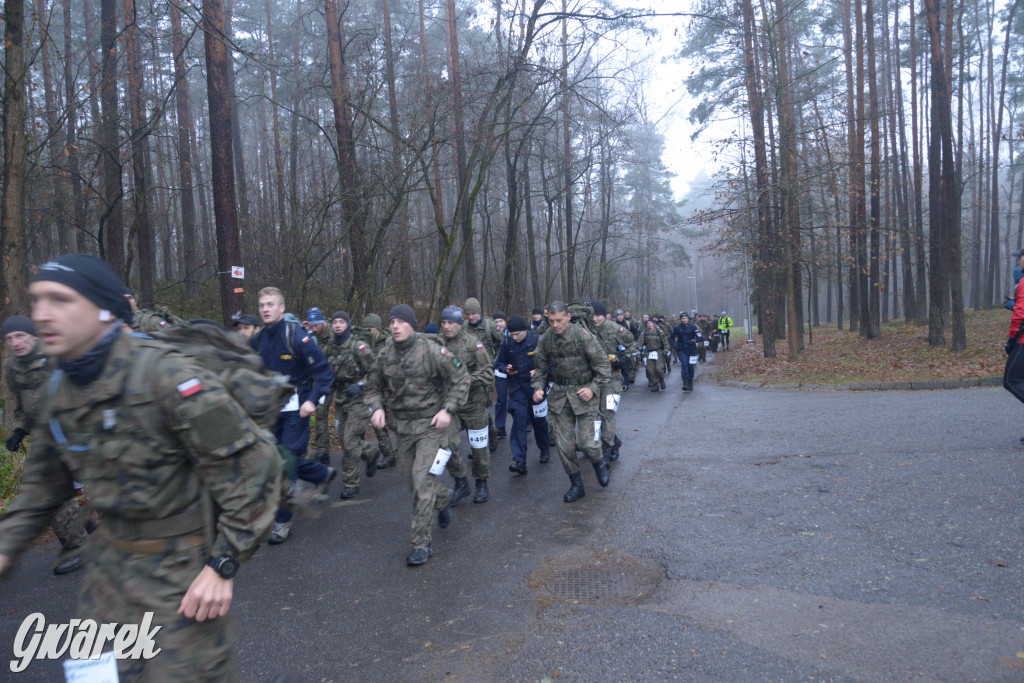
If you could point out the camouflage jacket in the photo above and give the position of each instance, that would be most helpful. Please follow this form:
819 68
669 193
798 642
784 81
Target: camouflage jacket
612 336
487 333
415 379
477 361
26 378
366 334
653 340
146 438
573 360
350 362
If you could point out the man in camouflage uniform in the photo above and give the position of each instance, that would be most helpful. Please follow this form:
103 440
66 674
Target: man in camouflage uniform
416 386
473 417
350 359
485 331
26 372
372 332
573 359
320 439
147 320
653 343
618 343
154 437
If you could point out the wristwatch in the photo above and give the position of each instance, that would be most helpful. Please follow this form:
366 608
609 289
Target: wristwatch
227 567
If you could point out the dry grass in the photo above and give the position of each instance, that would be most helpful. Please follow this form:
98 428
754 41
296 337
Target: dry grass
901 354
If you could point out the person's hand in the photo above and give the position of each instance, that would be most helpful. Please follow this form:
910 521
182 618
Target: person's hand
13 442
585 394
441 420
307 408
1010 343
208 597
538 396
377 419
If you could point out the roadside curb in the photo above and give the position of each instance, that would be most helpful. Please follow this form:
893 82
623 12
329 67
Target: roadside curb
869 386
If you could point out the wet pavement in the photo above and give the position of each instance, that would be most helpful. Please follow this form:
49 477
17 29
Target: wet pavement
745 536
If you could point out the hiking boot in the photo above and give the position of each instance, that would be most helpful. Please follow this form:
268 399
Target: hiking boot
545 456
349 492
661 384
460 491
371 467
68 566
575 491
482 494
444 516
501 433
615 448
517 467
418 556
320 495
387 462
601 470
281 532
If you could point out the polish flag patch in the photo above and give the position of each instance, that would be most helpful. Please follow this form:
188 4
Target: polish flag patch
305 339
190 388
362 346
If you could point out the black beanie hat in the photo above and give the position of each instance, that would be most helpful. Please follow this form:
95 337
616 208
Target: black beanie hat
18 323
517 323
452 314
93 278
403 312
343 315
500 315
599 308
538 311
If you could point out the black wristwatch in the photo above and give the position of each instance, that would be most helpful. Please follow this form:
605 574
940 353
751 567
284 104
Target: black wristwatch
227 567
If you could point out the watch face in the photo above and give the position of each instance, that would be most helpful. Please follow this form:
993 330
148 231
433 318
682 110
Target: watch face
228 568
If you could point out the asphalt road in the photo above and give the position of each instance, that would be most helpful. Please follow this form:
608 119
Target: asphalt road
745 536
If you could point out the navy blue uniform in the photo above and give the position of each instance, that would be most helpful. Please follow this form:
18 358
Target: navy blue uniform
684 340
520 357
290 350
501 387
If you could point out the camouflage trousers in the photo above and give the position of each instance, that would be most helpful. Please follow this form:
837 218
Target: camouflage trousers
384 442
418 444
67 524
121 587
607 415
320 440
564 423
655 369
473 418
350 423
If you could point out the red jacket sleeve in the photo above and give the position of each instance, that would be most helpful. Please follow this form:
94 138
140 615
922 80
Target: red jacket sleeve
1018 310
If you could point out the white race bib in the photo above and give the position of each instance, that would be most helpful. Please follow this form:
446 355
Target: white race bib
693 360
477 437
322 398
611 402
102 670
293 404
653 355
707 343
541 409
440 460
597 431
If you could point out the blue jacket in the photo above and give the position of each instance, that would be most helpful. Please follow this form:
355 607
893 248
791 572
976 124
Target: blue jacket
299 358
684 338
519 356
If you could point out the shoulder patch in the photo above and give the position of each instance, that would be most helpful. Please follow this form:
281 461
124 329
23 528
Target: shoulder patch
305 339
444 351
190 387
362 346
479 345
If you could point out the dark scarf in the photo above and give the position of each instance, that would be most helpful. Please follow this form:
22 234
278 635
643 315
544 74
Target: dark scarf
405 345
340 339
87 368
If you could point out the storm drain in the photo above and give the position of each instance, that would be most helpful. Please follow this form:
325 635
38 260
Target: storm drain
596 578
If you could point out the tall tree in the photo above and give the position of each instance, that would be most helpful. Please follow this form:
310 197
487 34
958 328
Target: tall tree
12 219
183 109
111 226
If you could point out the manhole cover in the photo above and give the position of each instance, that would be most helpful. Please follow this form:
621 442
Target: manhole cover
596 578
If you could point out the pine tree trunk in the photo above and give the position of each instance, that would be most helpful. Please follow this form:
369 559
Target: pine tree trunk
13 273
182 100
111 226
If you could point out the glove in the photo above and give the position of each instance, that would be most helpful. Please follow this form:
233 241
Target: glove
14 440
354 390
1010 343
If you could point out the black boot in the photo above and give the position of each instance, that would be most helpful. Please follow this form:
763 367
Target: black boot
481 491
575 491
371 467
615 448
460 491
545 456
444 516
517 467
661 384
689 384
601 470
606 451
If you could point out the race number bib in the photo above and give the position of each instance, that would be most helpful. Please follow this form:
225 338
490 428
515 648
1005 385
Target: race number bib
440 460
477 437
653 355
102 670
597 431
693 360
611 402
707 343
293 404
541 409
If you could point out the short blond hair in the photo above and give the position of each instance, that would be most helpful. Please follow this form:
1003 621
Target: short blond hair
270 291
